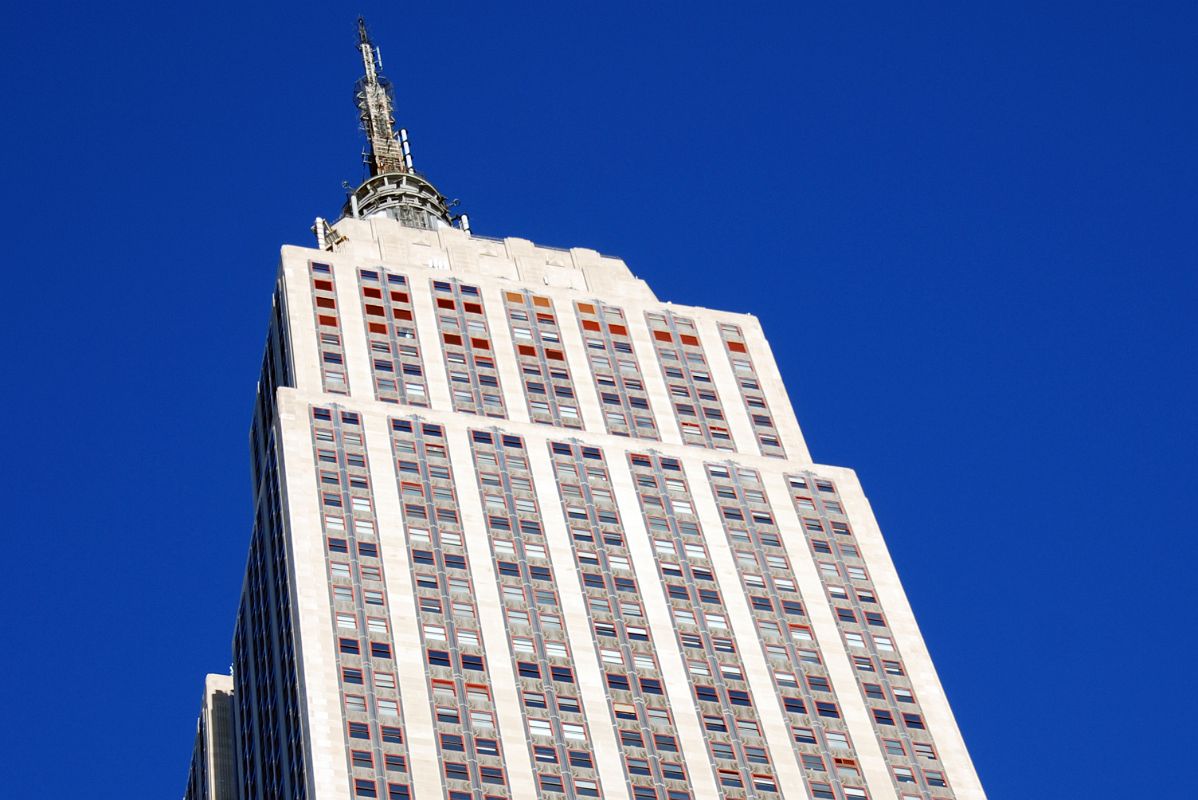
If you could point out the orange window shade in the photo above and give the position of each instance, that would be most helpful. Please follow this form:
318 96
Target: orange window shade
590 325
663 336
618 330
737 347
586 308
513 297
686 338
543 302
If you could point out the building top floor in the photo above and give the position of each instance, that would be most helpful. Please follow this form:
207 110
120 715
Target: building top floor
509 330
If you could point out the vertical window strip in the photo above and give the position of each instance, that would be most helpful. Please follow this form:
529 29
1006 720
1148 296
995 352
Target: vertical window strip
749 384
876 659
688 380
333 375
775 600
372 713
541 356
466 343
623 400
394 351
462 705
722 696
600 549
532 611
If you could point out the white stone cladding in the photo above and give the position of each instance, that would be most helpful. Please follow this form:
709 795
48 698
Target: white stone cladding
565 277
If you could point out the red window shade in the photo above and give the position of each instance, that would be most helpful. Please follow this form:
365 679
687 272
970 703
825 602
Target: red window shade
326 302
443 302
378 327
590 325
556 355
737 347
526 350
452 338
401 313
399 297
473 308
663 336
376 311
326 286
480 344
375 293
688 339
328 319
618 330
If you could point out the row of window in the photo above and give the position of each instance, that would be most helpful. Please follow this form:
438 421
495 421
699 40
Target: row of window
456 668
553 716
357 593
469 354
395 362
334 379
749 384
623 399
559 743
620 631
399 372
820 738
688 381
730 720
541 357
891 702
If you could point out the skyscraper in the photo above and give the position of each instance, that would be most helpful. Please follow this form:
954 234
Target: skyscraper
523 530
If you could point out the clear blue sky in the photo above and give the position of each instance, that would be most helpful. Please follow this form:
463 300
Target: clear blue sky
972 236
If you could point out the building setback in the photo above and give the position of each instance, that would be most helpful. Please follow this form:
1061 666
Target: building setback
523 530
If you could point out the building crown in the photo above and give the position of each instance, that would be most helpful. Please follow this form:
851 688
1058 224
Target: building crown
393 188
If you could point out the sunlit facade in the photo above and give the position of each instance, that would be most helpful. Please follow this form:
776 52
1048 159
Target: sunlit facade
523 530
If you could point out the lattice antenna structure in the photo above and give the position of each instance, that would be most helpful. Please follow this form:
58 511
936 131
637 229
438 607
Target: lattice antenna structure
393 188
375 98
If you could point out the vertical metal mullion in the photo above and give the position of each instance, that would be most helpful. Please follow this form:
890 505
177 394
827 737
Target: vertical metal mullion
448 612
869 643
622 389
534 325
791 649
534 616
475 387
704 425
376 742
638 698
701 621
